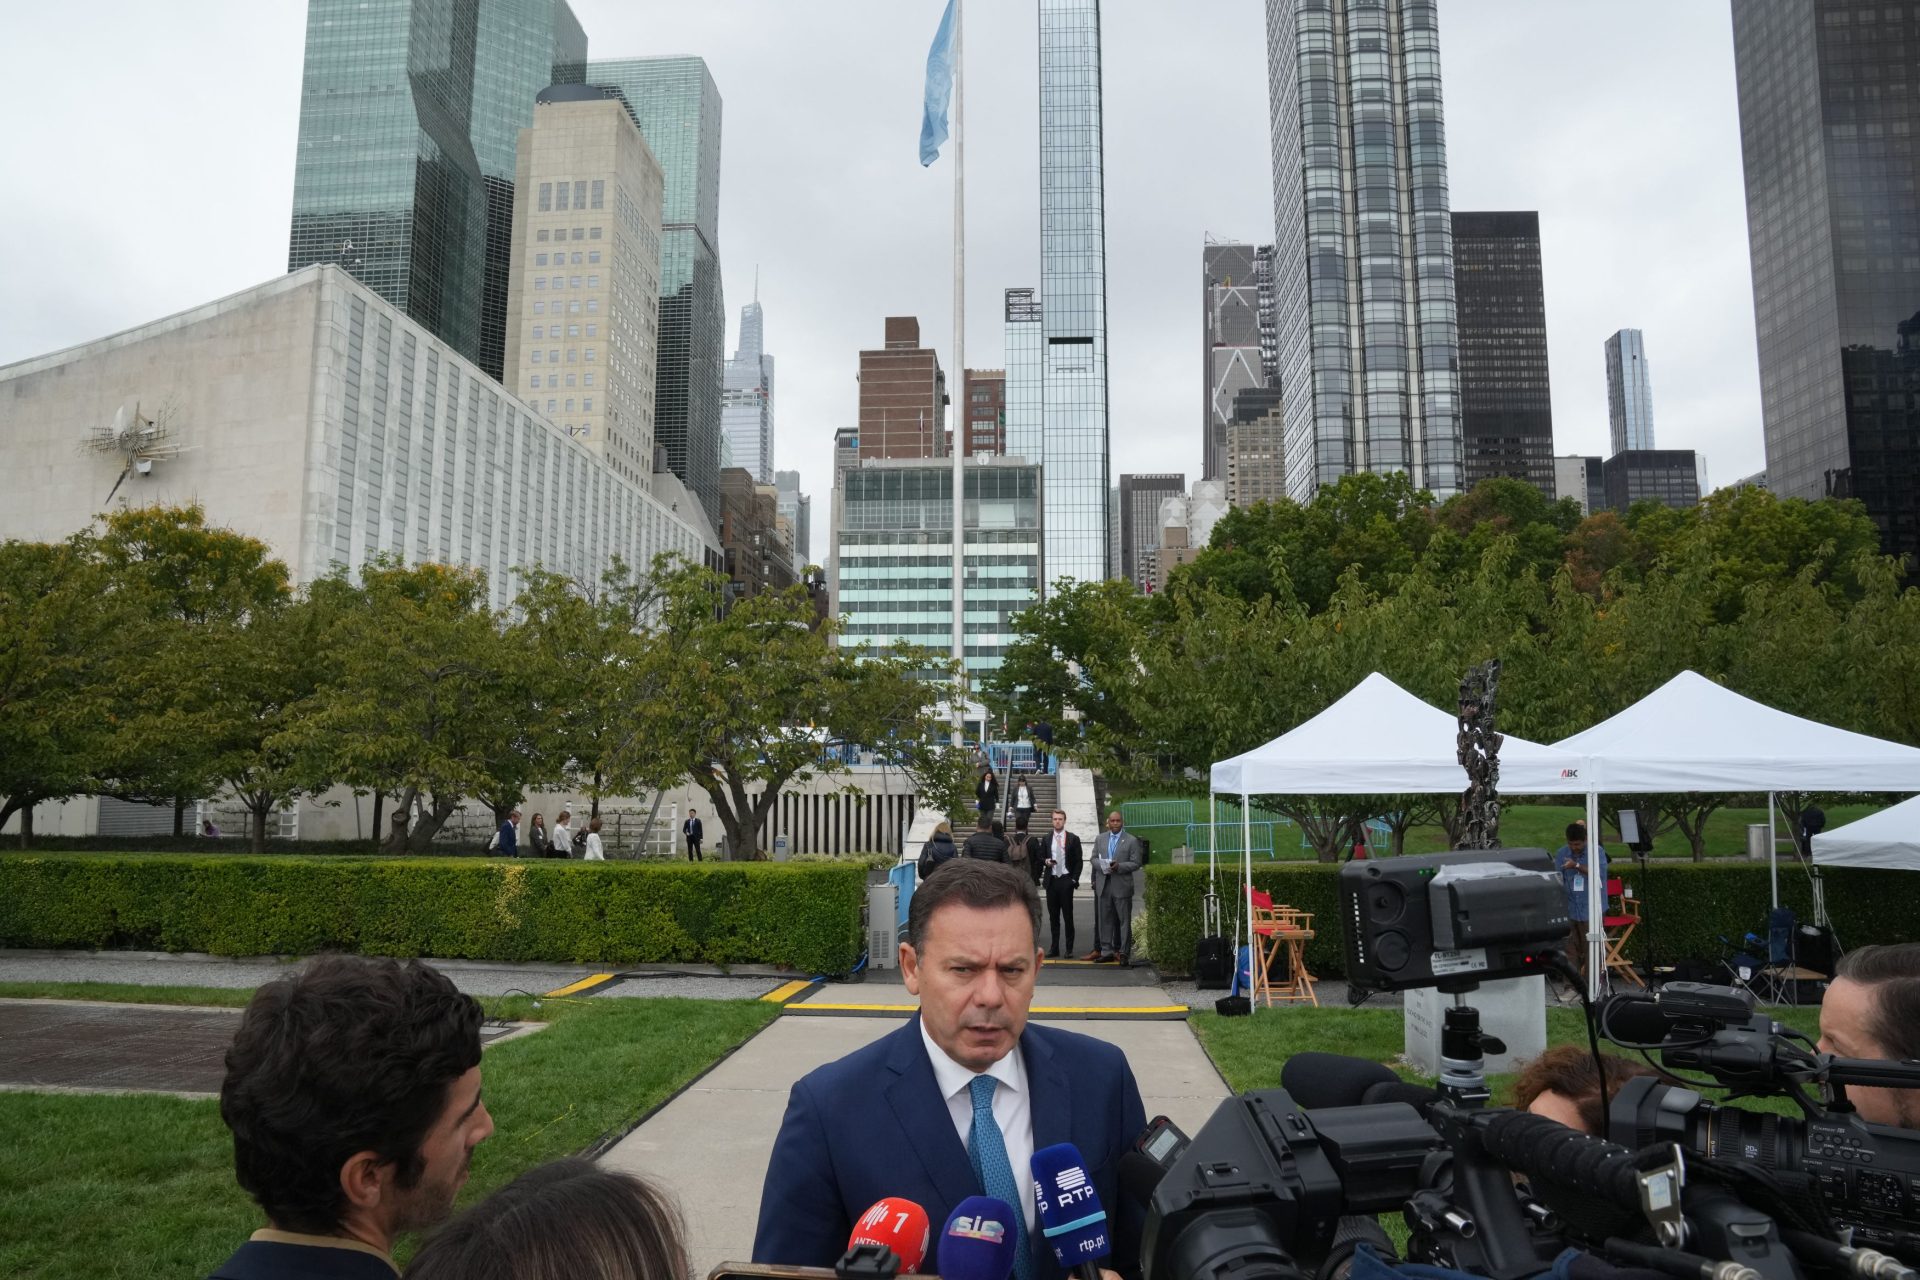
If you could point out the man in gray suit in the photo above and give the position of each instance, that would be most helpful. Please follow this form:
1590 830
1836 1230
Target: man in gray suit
1116 856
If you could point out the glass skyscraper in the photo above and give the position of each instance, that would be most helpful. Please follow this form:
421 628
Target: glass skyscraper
410 112
1237 339
1629 391
677 106
1025 346
1506 398
1073 294
746 401
1829 114
1363 273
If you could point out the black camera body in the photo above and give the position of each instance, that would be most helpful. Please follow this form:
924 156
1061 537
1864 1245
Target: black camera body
1450 920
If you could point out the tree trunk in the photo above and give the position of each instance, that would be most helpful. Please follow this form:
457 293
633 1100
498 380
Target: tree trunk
599 781
723 810
26 827
396 839
379 812
420 839
257 810
179 817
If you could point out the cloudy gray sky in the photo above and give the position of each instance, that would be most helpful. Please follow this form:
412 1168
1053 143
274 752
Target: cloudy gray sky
147 166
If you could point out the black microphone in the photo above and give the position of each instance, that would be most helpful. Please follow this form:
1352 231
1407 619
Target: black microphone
1418 1096
1332 1079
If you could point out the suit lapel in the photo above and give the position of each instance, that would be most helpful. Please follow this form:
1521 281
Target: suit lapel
1051 1102
915 1098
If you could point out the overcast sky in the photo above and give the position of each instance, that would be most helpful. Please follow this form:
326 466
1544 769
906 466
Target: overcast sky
147 166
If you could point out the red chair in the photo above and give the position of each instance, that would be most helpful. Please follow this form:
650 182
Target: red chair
1622 918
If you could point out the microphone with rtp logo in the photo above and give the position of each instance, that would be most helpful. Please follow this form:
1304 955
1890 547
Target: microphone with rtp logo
1069 1209
900 1225
979 1240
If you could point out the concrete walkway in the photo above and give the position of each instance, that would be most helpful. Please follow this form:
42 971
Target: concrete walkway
711 1144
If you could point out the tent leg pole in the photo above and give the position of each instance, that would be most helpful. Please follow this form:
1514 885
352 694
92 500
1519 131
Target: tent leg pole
1596 943
1213 839
1773 853
1246 860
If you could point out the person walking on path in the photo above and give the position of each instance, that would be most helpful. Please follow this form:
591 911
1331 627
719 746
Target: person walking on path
1061 862
595 851
1023 851
537 838
1022 804
507 839
1575 866
986 792
563 835
1043 733
985 844
1116 856
694 832
937 851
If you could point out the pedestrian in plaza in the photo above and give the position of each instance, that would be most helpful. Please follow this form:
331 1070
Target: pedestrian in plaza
986 792
1061 862
506 841
1116 856
539 837
1022 804
210 831
938 850
693 831
595 852
1575 864
563 835
985 844
1023 850
1043 732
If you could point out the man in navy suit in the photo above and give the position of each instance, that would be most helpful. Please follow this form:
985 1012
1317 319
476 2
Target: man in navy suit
955 1102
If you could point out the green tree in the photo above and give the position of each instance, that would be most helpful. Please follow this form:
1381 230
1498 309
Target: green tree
200 584
746 701
70 641
426 696
1070 647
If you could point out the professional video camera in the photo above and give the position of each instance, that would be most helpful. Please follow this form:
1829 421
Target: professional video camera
1281 1184
1865 1177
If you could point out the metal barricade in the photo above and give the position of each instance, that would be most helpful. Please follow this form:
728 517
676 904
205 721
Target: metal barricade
1157 813
1202 839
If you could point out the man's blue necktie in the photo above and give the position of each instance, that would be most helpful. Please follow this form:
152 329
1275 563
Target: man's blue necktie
987 1149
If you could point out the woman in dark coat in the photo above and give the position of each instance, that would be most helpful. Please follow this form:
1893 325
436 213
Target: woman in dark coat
987 792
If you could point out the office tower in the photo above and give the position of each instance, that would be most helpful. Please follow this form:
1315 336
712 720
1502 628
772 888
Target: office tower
797 507
1073 291
1114 554
903 393
1237 337
893 541
583 309
677 106
1256 452
1672 477
1026 372
1363 262
418 453
1186 525
1629 391
1140 499
1506 400
746 401
986 417
1580 478
757 559
410 113
1829 108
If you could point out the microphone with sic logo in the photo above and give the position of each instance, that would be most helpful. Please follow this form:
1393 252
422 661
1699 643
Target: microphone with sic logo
1069 1209
897 1224
979 1241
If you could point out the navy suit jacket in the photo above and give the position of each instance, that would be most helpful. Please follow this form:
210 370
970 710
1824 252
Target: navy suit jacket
874 1124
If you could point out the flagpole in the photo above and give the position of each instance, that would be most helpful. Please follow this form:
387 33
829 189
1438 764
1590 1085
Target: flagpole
959 401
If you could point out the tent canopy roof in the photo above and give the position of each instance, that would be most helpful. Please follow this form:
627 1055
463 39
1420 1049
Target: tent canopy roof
1692 735
1889 838
1381 740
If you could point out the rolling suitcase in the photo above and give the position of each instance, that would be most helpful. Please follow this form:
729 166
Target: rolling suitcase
1212 960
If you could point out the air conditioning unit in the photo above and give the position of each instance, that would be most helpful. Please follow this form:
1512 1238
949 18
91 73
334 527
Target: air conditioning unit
883 926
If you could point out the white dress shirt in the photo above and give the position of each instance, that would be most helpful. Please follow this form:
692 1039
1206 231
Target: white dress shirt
1012 1110
1057 854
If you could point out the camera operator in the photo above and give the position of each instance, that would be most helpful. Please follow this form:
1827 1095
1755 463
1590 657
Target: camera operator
1872 1010
1562 1084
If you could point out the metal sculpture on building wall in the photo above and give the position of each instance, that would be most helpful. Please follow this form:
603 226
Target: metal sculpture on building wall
1479 754
142 441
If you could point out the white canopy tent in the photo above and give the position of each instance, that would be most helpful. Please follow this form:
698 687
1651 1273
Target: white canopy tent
1377 740
1889 839
1691 734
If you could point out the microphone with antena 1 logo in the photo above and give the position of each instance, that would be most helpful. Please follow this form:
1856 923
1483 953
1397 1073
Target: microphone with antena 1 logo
896 1224
1070 1214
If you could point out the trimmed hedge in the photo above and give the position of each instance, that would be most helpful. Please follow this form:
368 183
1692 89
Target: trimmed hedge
803 917
1688 906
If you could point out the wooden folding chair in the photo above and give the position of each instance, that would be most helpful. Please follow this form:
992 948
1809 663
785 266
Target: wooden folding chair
1280 933
1622 918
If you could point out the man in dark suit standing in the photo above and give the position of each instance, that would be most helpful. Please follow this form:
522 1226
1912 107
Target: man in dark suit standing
956 1101
1060 875
1116 856
693 831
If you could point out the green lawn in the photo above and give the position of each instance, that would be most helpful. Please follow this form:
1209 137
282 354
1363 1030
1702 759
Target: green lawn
1521 827
103 1186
